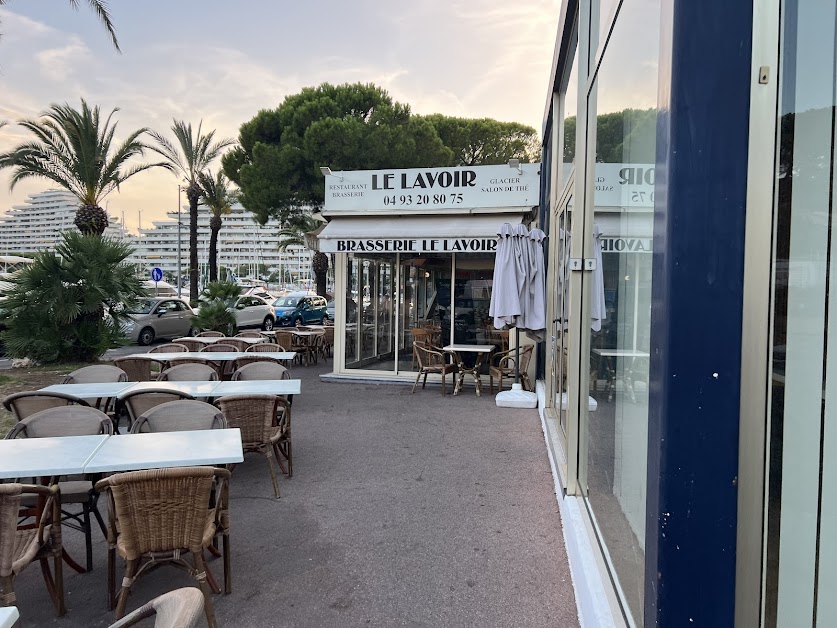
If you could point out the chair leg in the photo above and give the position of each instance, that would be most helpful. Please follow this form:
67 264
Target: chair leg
424 382
122 599
208 606
7 589
418 377
111 578
88 535
58 565
490 384
444 387
269 454
227 565
97 514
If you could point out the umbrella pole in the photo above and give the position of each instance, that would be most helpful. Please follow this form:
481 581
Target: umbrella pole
517 355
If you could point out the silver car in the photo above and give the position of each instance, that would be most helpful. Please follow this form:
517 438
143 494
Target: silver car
159 317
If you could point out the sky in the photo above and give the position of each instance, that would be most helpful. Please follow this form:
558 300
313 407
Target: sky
221 62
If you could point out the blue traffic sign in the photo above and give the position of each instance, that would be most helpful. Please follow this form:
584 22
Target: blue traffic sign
156 274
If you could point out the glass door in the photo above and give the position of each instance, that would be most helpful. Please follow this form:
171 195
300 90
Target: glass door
370 313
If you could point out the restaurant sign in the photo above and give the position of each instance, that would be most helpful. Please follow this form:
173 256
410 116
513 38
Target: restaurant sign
415 190
407 245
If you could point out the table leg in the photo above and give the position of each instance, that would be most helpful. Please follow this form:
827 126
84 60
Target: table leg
476 373
460 375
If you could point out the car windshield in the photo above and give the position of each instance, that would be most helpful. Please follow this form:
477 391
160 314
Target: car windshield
286 302
144 307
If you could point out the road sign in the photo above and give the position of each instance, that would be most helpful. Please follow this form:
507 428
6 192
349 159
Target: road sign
156 274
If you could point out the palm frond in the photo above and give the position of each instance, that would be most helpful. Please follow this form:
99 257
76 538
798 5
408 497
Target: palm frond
191 152
216 193
100 8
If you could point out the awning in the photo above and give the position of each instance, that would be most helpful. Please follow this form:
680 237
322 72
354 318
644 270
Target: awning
409 234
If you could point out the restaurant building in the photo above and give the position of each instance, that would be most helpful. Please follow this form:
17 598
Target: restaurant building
685 386
414 250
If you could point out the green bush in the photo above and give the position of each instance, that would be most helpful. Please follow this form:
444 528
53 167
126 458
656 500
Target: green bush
215 312
67 306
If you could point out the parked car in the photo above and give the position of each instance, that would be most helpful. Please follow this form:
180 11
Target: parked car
300 308
252 311
159 317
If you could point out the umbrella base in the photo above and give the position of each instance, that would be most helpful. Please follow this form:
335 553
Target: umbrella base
516 398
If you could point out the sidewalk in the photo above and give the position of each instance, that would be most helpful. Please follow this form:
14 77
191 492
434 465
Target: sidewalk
404 510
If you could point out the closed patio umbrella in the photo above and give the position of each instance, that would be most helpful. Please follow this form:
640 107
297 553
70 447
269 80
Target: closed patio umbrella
517 297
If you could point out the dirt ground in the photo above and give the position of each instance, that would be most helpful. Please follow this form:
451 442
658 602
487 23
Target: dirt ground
19 380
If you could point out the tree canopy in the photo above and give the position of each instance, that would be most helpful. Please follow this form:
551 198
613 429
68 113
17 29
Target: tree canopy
484 141
345 127
621 137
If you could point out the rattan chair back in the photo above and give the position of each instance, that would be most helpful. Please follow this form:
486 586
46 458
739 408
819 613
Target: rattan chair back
189 372
266 347
286 338
24 404
191 344
260 371
140 402
210 334
249 333
96 374
136 369
221 347
254 415
171 347
180 416
238 343
181 608
75 420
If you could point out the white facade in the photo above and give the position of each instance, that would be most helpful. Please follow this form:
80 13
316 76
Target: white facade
37 225
241 242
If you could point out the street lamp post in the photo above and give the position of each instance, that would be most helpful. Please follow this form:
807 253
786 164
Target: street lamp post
179 283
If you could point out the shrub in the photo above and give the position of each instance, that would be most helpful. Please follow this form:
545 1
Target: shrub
67 305
215 312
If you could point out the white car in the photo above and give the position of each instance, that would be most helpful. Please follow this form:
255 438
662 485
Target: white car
252 311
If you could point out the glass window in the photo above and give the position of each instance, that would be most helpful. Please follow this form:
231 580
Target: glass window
801 570
613 460
425 293
370 313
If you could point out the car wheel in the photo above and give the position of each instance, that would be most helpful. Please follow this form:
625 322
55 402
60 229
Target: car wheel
324 320
193 331
298 321
146 336
267 324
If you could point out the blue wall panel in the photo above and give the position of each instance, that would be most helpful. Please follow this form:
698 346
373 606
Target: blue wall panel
696 315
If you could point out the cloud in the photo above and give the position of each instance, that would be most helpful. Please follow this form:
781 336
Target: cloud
58 64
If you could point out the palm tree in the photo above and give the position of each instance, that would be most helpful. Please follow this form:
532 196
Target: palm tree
75 150
100 8
219 198
293 233
190 155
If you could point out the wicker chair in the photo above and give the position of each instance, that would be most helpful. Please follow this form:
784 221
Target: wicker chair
252 355
423 337
328 340
156 515
286 338
138 403
191 344
23 404
179 416
222 347
238 343
181 608
307 348
502 367
190 372
250 333
210 334
97 374
261 371
432 361
136 369
19 547
171 347
256 417
71 421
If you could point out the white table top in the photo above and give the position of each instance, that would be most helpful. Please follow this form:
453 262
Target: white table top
87 391
208 340
132 452
8 616
259 387
32 457
219 356
196 389
469 348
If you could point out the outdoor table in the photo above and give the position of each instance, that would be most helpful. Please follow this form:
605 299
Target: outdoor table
158 450
196 389
8 616
612 375
259 387
90 391
457 350
208 340
219 356
46 457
